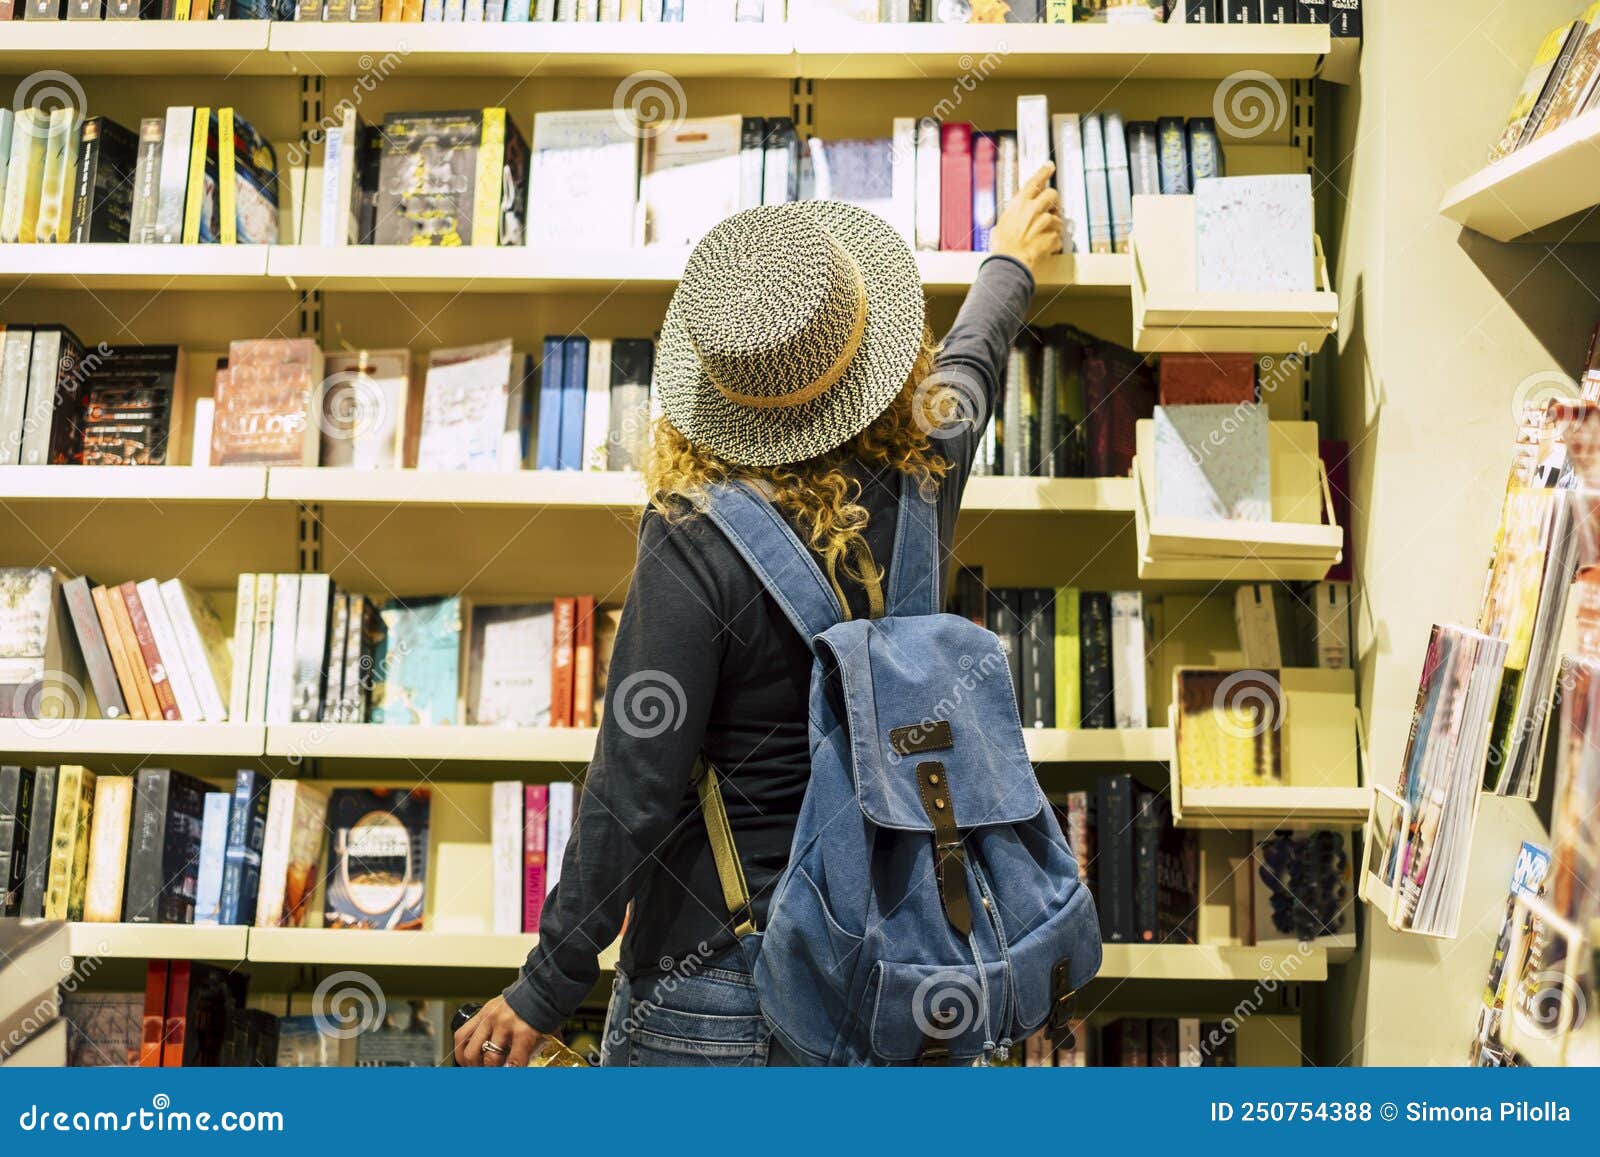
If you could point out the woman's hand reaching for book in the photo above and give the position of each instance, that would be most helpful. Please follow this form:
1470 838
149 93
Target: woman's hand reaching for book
1030 227
496 1037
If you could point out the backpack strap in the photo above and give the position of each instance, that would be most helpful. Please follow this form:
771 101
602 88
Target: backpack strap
735 892
914 569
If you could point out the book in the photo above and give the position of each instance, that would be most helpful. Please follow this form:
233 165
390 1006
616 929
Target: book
1254 235
903 178
313 615
1067 657
203 645
103 1028
177 140
563 808
153 608
16 817
547 454
535 886
1125 1042
427 182
1119 181
585 169
509 665
153 1022
19 215
1129 708
377 857
858 172
597 406
929 180
1205 149
1038 704
574 388
41 670
261 648
69 844
1304 889
263 413
1079 829
501 187
92 645
126 404
583 663
145 209
52 429
364 408
690 179
1095 680
108 848
421 662
35 964
106 168
1097 189
563 661
1004 611
985 156
955 192
1144 158
465 403
15 356
214 823
1118 391
340 195
241 858
291 856
280 669
781 162
1114 857
164 847
1033 135
57 184
1344 18
1172 156
244 629
41 833
1550 63
506 812
1212 463
632 366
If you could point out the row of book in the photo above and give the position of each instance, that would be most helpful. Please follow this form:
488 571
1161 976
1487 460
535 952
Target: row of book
1562 84
196 175
1134 1042
1343 16
583 405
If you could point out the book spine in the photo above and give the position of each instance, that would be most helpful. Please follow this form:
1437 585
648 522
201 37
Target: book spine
928 181
583 663
243 637
41 831
16 814
1311 11
174 178
1279 12
192 649
1098 192
227 180
149 707
1344 19
44 382
108 849
241 867
1071 184
1128 660
562 798
184 696
536 816
1193 12
14 373
1188 1042
69 851
1119 182
141 892
195 185
1095 678
142 222
551 374
1241 11
155 1013
562 662
597 405
1058 11
955 192
1033 135
1080 835
176 1029
903 178
574 384
88 163
338 632
310 648
1146 839
166 703
280 672
1144 165
1114 858
984 206
506 822
213 850
486 189
96 650
358 658
275 854
1068 714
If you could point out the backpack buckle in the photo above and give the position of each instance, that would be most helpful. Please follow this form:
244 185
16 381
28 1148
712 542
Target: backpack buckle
949 857
1063 1001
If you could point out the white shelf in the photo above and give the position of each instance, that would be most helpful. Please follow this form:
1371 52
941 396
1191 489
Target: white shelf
474 744
1236 807
1537 185
596 490
157 941
1050 495
132 483
1095 274
140 48
124 266
485 269
830 50
1209 962
1132 745
65 738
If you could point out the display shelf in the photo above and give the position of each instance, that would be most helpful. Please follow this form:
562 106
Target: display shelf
470 269
65 738
1260 807
748 50
189 484
350 948
124 266
1091 274
1538 185
1076 495
471 744
1211 962
829 50
1129 745
139 48
597 490
157 941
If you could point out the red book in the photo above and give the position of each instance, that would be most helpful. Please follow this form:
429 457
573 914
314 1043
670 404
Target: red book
1336 460
177 1016
955 188
562 662
155 1014
1207 379
535 814
147 648
985 207
583 664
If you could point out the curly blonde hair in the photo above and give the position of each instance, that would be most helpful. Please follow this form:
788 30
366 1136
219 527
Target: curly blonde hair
820 497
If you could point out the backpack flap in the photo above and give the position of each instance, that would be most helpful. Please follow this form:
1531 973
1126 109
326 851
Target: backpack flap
934 689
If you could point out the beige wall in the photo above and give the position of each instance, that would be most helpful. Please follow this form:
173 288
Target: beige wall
1438 329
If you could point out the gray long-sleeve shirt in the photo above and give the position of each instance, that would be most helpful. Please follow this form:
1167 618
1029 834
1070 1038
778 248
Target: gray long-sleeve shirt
701 642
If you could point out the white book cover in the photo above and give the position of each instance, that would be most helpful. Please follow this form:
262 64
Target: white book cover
508 676
1119 181
1007 173
1189 1054
244 633
213 848
8 123
275 852
205 414
172 661
1128 699
691 179
1094 179
597 405
204 647
928 182
312 615
752 166
1070 182
333 154
1033 135
280 669
558 831
464 401
904 201
584 180
1254 235
1212 463
505 822
1256 617
364 399
24 176
174 183
1332 619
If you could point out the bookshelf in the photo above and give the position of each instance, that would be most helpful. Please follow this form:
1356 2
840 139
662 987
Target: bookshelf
151 739
185 484
140 48
1539 185
146 267
157 941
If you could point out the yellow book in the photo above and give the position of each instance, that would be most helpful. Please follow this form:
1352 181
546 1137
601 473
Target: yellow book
69 845
180 11
24 176
195 200
56 186
199 9
486 190
227 180
1069 703
108 848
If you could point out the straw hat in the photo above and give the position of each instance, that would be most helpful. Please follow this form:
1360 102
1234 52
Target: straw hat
793 328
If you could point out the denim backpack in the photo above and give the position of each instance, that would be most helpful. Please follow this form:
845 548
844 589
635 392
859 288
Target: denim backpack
931 911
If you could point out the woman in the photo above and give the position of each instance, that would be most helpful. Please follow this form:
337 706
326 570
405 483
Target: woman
794 354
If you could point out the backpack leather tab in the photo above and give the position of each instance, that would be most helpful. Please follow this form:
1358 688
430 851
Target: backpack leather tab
949 857
922 737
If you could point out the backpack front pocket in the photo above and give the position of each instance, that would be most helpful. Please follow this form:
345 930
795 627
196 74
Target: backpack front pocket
918 1009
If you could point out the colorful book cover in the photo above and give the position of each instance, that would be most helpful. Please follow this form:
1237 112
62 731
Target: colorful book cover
108 848
535 834
103 1028
421 661
241 863
377 858
69 845
291 856
213 850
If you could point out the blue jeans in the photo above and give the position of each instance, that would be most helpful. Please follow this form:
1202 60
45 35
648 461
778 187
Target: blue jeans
702 1013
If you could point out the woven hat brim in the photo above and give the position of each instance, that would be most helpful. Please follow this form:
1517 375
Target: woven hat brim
771 437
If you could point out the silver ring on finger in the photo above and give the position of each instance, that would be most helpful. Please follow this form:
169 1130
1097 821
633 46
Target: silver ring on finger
490 1047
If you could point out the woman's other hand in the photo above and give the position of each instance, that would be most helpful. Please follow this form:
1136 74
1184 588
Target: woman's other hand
1031 227
511 1039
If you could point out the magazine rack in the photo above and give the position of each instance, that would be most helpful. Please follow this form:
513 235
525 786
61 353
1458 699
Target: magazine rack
1301 544
1322 760
1551 1027
1171 316
1385 847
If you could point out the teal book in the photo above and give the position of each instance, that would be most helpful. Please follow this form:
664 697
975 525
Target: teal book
419 663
